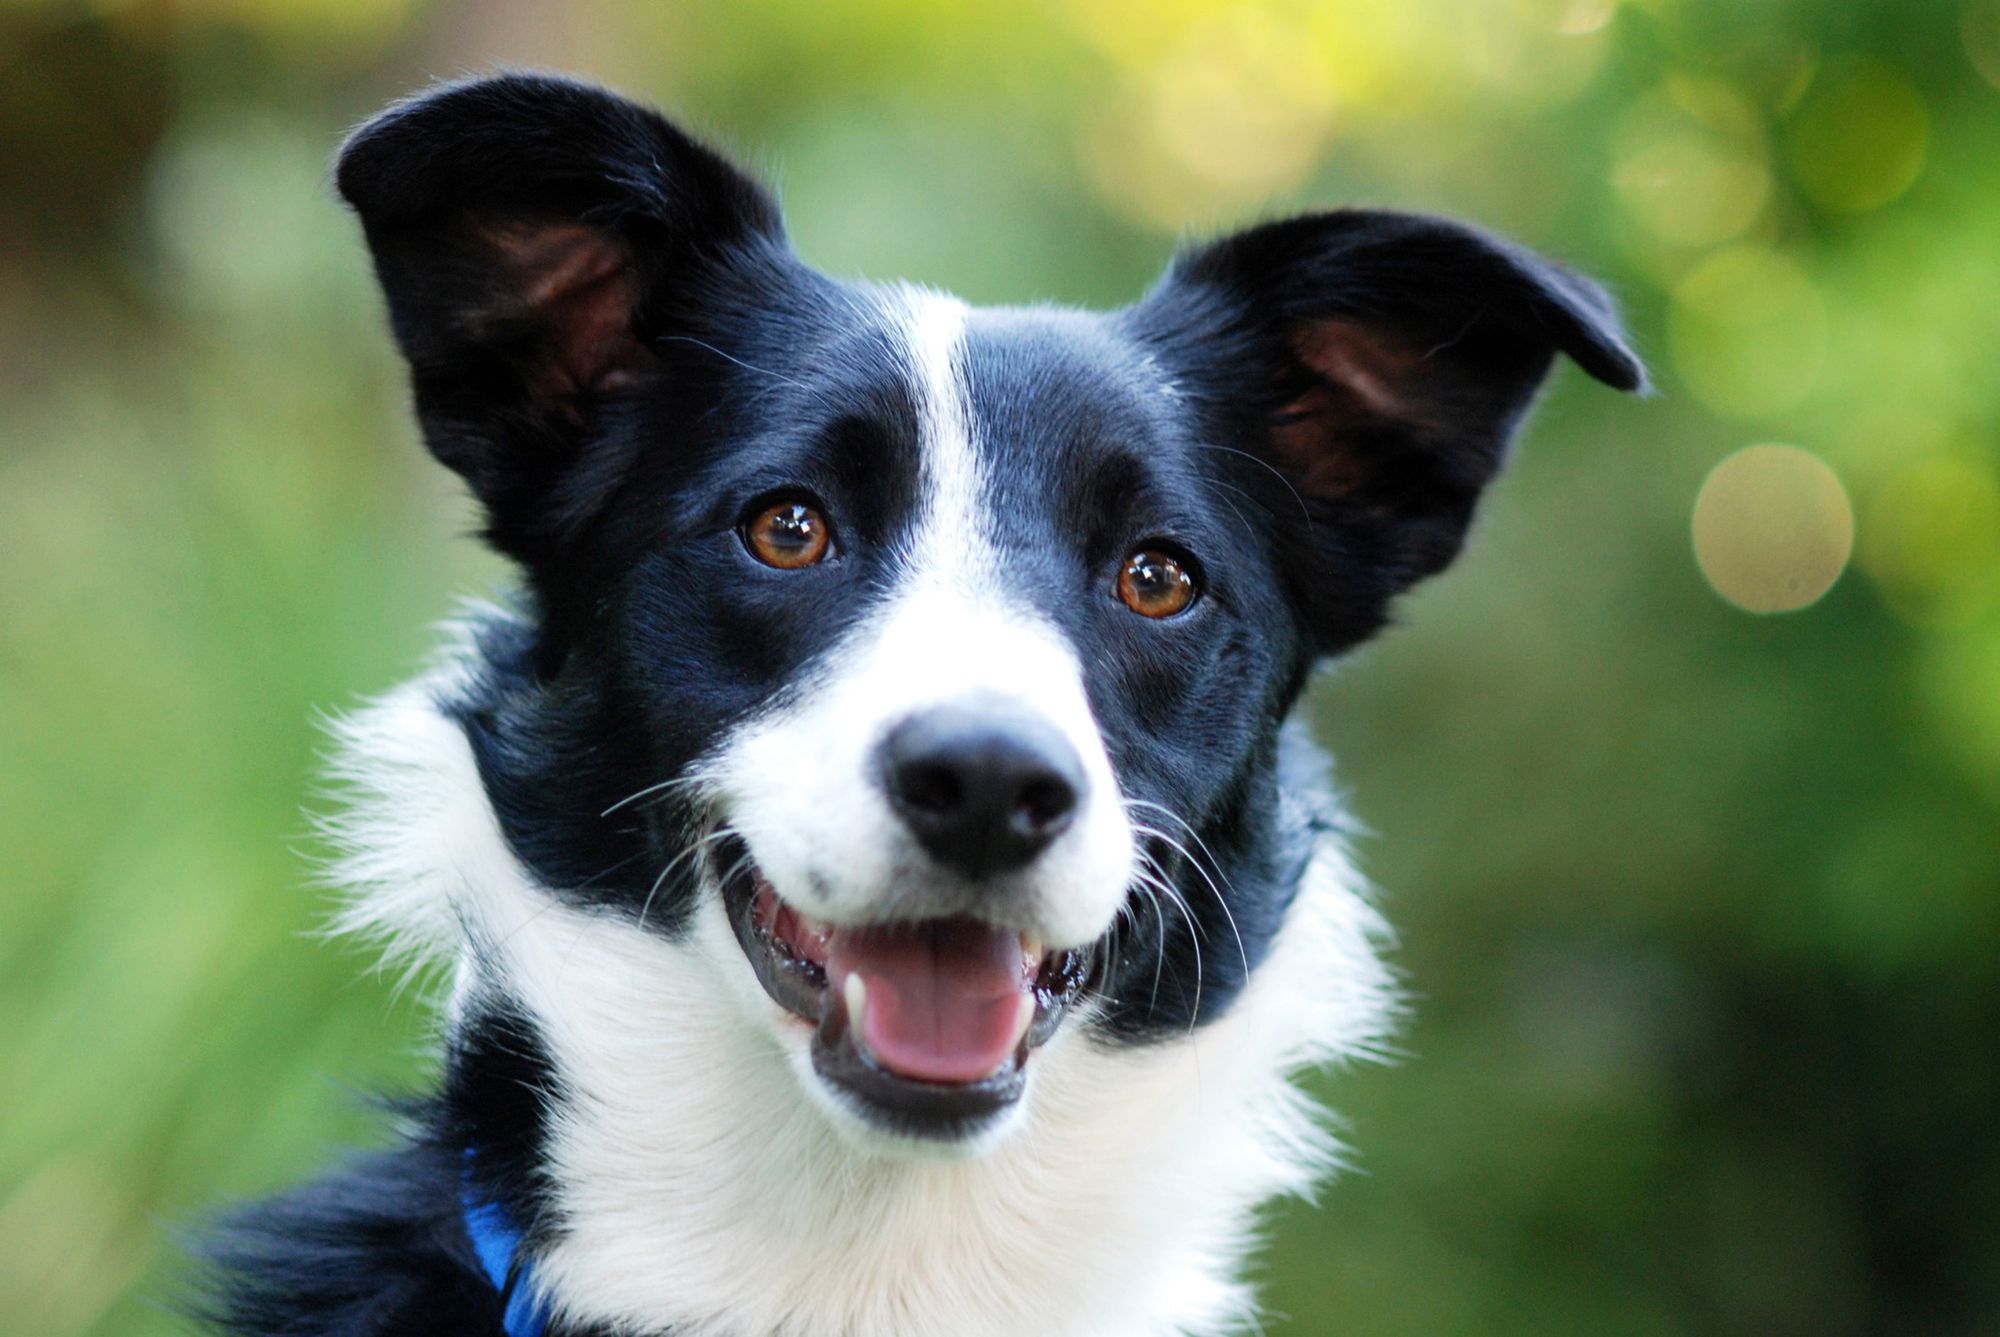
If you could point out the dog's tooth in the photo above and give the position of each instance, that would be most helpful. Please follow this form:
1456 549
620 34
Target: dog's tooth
1031 949
814 935
1024 1018
854 990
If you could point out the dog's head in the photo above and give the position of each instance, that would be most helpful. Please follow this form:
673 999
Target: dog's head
941 654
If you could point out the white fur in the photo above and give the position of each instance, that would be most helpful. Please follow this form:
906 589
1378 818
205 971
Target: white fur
700 1191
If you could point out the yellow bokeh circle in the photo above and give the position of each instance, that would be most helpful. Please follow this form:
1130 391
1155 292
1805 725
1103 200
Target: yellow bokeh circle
1933 542
1748 331
1772 528
1860 137
1692 188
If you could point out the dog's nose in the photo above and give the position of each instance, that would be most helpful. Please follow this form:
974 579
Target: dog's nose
984 787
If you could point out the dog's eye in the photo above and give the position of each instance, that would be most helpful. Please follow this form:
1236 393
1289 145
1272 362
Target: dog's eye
1156 583
787 535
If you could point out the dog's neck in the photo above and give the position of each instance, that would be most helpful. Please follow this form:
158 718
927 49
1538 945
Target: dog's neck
693 1186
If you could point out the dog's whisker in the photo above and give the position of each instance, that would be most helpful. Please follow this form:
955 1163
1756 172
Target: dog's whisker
1212 484
678 782
549 906
695 847
1151 873
1160 955
607 871
1185 825
1125 927
1221 900
1268 467
743 863
703 344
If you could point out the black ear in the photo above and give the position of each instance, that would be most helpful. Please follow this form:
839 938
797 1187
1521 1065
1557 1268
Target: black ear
1378 362
532 235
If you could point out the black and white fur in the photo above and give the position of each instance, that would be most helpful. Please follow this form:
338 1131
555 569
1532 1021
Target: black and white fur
612 343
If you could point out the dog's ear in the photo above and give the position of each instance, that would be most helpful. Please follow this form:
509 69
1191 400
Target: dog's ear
531 236
1378 363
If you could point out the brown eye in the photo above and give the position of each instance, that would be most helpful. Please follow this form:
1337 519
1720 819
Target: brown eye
1155 583
787 535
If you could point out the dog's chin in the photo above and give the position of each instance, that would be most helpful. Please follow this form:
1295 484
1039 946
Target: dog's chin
919 1034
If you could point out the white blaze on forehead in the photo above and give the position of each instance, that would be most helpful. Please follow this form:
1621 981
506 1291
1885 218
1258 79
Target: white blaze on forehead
950 526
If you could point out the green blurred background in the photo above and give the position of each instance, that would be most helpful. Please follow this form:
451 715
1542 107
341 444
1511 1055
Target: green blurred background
1701 907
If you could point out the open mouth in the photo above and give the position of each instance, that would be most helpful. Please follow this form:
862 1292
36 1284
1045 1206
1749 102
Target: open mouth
928 1023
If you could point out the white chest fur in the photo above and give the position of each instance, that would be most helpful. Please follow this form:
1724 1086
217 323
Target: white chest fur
701 1189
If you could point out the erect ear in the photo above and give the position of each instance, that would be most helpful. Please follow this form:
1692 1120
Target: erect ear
531 234
1379 363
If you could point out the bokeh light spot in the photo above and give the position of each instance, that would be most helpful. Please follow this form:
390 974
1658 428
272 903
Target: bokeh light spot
1748 331
1585 16
1979 26
1772 528
1383 57
1692 188
1933 540
1958 685
1237 108
1716 104
1859 136
1135 33
1243 104
1520 49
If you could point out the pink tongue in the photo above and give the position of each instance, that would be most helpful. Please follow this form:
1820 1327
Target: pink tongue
944 999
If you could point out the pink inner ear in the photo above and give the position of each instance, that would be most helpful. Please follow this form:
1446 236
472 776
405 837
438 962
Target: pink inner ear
1373 369
1364 377
577 285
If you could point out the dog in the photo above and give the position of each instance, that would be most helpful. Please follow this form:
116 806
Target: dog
879 884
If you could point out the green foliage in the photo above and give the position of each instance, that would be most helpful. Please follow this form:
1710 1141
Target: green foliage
1702 908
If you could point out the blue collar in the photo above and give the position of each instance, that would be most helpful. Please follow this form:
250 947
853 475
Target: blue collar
498 1244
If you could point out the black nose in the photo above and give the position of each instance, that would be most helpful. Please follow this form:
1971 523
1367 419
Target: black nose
983 787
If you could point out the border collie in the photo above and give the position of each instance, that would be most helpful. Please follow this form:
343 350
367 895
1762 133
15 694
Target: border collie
879 887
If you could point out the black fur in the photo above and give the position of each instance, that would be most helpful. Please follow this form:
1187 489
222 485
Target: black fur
610 340
380 1247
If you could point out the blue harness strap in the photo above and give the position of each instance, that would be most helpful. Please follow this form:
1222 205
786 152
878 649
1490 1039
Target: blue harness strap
498 1244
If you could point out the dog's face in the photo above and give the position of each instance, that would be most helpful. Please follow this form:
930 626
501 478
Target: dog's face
930 661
